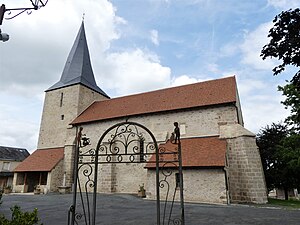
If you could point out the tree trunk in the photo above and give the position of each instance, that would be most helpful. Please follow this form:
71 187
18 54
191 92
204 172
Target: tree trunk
286 193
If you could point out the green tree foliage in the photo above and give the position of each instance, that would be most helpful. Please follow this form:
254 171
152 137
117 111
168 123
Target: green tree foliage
285 42
285 45
267 141
278 146
280 153
21 218
289 152
292 101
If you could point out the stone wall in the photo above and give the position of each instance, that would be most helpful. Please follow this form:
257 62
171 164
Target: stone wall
115 178
69 156
197 122
129 177
61 107
245 173
199 185
56 177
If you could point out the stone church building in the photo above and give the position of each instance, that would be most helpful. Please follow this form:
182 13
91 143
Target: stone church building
221 162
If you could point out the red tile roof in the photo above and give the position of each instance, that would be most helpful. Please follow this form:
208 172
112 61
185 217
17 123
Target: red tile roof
206 93
196 152
41 160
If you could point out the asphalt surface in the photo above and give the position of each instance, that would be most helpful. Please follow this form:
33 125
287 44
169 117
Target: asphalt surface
121 209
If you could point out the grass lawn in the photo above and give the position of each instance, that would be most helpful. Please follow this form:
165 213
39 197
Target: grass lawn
291 203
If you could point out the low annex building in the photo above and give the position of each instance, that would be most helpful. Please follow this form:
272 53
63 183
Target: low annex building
43 168
10 158
221 162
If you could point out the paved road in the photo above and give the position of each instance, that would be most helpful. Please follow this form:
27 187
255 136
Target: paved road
127 209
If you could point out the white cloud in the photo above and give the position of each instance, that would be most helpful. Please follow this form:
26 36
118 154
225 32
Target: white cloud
186 79
252 46
18 131
154 37
135 71
182 80
260 111
260 101
284 4
248 87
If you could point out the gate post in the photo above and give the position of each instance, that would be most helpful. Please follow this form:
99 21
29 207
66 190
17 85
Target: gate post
95 189
72 209
181 183
157 185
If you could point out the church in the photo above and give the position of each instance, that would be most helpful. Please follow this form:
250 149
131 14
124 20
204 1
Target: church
220 159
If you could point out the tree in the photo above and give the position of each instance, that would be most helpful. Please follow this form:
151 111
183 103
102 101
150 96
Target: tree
285 42
289 152
280 154
285 45
267 141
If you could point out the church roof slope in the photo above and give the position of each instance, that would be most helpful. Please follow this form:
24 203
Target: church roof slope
196 152
78 68
41 160
13 154
213 92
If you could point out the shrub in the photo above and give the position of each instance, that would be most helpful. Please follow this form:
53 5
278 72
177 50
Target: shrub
18 217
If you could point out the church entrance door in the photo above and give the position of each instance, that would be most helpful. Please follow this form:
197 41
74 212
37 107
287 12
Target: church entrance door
127 143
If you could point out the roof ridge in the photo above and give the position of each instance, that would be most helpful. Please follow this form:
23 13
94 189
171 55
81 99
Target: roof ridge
49 148
196 137
12 147
167 88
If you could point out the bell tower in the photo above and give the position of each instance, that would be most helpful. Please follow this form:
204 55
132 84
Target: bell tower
70 96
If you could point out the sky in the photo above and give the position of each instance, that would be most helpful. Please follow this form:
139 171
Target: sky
138 46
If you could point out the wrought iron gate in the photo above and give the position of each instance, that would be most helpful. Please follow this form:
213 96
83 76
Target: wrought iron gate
127 142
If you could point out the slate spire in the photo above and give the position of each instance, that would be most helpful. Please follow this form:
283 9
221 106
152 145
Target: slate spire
78 68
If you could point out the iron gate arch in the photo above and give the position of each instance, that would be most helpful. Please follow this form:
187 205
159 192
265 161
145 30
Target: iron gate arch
128 142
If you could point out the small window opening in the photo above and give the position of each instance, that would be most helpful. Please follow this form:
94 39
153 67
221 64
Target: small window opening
62 117
43 178
6 166
182 129
20 178
61 99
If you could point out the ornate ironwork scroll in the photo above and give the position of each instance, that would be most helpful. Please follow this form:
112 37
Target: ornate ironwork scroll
35 5
128 142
